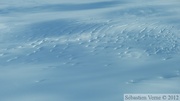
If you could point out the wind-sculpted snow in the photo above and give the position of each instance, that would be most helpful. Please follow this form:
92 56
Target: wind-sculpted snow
88 50
60 7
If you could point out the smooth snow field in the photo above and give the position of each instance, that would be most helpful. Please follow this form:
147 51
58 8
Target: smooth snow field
88 50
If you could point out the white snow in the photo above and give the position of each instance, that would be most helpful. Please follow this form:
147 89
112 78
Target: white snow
88 50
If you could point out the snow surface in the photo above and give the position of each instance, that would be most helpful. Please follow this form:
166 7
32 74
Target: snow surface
88 50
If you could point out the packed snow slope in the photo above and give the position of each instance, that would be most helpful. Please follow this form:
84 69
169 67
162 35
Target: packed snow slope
88 50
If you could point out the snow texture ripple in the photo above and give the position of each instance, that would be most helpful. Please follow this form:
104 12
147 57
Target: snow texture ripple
88 50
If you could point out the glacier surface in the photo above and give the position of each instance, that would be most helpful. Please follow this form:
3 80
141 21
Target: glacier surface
88 50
